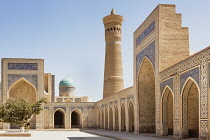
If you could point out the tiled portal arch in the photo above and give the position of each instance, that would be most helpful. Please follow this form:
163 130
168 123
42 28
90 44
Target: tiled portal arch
167 111
190 108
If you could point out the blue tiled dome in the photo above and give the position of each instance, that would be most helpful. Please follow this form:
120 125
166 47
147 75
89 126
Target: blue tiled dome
66 82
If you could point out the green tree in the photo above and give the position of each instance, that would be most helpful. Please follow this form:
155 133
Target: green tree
20 111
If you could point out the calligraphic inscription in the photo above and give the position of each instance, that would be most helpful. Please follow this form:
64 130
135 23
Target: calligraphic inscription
146 32
23 66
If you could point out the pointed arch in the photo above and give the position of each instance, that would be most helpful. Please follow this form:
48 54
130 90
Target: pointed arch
59 118
123 117
146 96
102 119
106 118
116 118
142 62
167 111
190 108
76 118
99 118
22 88
110 118
131 116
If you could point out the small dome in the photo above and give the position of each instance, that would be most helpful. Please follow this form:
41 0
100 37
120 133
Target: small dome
66 82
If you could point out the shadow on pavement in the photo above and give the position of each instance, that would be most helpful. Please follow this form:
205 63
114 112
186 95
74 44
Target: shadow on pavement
89 138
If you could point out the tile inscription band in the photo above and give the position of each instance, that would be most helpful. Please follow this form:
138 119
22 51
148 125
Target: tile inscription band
146 32
23 66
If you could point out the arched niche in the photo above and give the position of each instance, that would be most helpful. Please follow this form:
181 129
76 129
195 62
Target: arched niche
116 118
76 118
167 111
131 116
102 119
59 119
146 96
23 89
110 119
106 118
123 118
190 109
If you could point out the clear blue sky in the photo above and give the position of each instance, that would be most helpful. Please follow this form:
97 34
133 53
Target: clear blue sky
69 35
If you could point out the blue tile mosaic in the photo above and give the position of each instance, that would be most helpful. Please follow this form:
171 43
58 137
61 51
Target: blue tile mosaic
145 33
46 107
168 82
90 107
148 52
80 108
23 66
64 108
194 73
12 78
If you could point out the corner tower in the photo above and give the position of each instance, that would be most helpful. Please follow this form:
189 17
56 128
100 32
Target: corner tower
113 73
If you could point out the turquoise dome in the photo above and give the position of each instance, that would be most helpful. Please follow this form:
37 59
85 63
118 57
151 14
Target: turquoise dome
66 82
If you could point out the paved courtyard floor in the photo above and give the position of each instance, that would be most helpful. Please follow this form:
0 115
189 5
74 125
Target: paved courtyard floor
85 135
126 136
57 135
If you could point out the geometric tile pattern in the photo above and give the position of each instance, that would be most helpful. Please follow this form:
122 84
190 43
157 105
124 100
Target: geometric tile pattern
168 82
80 108
204 129
148 52
146 32
186 64
64 108
204 89
194 73
12 78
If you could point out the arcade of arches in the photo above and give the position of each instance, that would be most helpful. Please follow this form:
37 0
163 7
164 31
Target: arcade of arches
59 119
169 95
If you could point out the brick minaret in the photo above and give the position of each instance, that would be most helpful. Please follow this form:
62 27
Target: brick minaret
113 73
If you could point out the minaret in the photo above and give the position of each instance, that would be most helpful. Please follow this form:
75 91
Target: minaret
113 73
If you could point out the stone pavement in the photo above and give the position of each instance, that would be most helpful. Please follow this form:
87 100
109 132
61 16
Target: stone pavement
125 136
57 135
85 135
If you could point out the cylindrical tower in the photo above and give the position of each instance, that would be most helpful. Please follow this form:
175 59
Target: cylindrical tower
113 73
66 88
